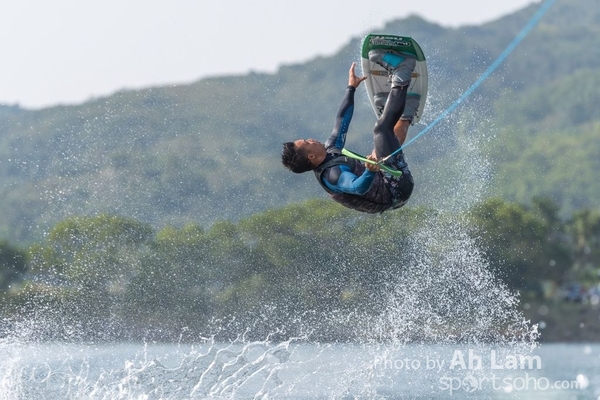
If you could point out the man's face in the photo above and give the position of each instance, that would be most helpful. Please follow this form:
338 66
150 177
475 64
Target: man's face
314 150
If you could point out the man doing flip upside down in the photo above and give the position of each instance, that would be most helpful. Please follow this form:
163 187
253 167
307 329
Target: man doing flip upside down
364 187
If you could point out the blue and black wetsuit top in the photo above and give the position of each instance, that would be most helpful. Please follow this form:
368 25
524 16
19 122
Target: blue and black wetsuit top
346 180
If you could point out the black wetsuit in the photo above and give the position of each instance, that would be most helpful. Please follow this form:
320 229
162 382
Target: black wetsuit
347 180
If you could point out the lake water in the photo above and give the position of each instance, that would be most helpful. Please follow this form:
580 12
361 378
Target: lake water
292 370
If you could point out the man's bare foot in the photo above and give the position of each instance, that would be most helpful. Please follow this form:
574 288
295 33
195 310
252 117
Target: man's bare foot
401 129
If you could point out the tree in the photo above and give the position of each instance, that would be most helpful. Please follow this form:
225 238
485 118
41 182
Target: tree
12 265
172 292
522 244
584 227
98 251
87 263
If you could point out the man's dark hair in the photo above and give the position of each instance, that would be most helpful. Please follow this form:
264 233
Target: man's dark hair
295 159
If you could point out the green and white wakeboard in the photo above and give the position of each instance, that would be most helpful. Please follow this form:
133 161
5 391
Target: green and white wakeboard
378 80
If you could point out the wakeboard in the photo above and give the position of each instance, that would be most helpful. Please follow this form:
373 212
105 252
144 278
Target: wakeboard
378 82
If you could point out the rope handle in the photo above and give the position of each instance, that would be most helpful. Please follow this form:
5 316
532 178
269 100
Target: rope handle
383 167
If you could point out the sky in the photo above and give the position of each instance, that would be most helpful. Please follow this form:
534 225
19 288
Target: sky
70 51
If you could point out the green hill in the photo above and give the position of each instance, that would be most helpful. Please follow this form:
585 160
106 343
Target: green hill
210 150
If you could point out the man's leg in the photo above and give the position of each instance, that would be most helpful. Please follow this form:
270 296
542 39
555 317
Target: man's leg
390 131
400 67
384 138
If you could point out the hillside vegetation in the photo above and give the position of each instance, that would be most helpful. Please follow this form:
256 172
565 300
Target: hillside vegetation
279 274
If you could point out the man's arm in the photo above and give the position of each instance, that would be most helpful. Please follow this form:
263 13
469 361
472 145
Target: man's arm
344 114
347 182
343 180
342 120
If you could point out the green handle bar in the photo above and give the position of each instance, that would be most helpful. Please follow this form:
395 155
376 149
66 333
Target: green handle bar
383 167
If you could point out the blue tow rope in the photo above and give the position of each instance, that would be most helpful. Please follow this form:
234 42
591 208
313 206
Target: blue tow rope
509 49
